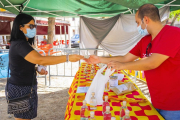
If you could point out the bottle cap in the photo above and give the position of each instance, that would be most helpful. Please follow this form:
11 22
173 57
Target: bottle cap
92 113
93 93
127 112
107 108
113 118
106 98
84 102
124 103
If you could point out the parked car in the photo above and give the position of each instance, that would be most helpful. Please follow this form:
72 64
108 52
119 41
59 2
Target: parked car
75 41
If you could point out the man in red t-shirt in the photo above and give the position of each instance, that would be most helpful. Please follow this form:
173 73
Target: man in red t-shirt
160 53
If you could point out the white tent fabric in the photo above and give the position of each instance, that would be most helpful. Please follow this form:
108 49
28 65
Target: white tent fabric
122 37
86 38
164 13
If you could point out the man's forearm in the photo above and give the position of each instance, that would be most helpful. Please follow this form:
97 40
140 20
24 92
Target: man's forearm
115 58
139 65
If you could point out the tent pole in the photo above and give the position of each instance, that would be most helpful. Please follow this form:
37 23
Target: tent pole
2 4
69 45
130 11
65 34
25 1
133 11
167 4
60 37
26 5
127 11
43 11
12 5
48 11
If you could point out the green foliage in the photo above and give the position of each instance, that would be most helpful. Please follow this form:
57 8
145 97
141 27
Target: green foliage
173 13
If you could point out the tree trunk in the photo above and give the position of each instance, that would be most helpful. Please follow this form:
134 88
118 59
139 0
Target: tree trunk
174 19
51 30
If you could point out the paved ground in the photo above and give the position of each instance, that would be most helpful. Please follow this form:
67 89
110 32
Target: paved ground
52 101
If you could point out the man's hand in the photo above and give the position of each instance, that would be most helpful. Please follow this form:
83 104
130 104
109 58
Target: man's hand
149 63
75 58
42 72
115 65
93 59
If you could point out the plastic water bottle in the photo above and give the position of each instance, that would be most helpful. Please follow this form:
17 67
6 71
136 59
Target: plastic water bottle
92 116
85 72
122 110
107 114
105 103
92 67
84 111
85 69
113 118
126 117
92 74
93 102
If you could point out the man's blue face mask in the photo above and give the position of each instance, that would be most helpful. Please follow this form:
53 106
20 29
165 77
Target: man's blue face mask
141 31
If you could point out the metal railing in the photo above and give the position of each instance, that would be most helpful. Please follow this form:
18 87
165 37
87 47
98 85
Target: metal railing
39 76
136 74
65 69
4 51
62 67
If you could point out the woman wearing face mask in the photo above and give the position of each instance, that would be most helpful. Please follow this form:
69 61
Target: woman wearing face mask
22 60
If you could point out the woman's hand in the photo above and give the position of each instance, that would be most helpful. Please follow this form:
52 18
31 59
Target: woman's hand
42 72
93 59
75 58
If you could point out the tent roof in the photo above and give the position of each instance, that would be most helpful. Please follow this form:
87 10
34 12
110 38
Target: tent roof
73 8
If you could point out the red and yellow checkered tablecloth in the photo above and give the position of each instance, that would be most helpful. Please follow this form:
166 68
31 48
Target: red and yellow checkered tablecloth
138 111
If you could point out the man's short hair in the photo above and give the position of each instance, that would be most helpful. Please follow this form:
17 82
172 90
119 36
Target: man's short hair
150 11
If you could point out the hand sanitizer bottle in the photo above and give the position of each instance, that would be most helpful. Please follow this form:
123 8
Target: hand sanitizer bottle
126 117
122 110
84 111
113 118
107 114
105 103
93 102
92 116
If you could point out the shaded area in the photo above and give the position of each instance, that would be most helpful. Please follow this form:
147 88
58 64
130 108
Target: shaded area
74 8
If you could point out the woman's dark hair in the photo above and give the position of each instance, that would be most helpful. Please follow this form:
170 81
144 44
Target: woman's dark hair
16 33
